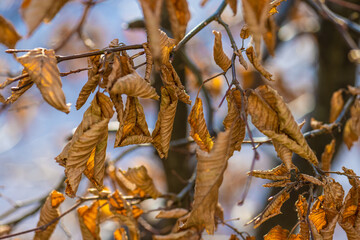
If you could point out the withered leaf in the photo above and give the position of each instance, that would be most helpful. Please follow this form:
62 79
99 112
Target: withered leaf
255 15
92 82
164 124
172 213
327 156
255 61
277 233
199 131
133 128
221 59
179 16
352 127
336 104
87 150
35 11
302 208
48 213
277 173
149 62
88 218
140 177
124 214
269 35
42 67
209 176
8 33
120 234
233 5
317 214
23 85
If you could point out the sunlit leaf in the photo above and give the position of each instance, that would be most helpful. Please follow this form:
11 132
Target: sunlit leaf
8 34
277 173
255 61
88 218
352 127
199 131
302 208
327 155
23 85
172 213
164 124
209 176
269 35
277 233
36 11
179 16
120 234
48 213
220 57
336 104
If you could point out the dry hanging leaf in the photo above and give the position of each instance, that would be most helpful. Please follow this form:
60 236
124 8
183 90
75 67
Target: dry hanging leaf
255 16
233 5
280 183
327 156
244 33
277 173
199 131
23 85
336 103
152 15
89 223
308 178
179 16
209 176
87 150
92 83
352 127
317 214
124 214
120 234
234 121
8 34
273 5
242 60
133 128
269 35
48 213
302 208
42 67
220 57
277 233
35 11
149 62
173 213
255 61
272 209
163 128
142 180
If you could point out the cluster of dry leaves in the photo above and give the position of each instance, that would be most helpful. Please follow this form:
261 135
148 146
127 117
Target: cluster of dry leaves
113 74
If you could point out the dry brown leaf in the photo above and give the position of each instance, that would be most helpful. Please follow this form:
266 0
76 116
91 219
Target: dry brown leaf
352 127
284 154
273 5
163 128
333 200
354 90
255 61
92 82
280 183
272 209
36 11
280 172
337 104
149 62
87 150
209 176
124 214
42 67
133 128
48 213
142 180
315 124
8 34
327 156
135 86
233 5
172 213
120 234
234 121
88 218
269 35
308 178
277 233
179 16
199 131
302 208
23 85
244 33
255 16
242 60
188 234
317 214
221 59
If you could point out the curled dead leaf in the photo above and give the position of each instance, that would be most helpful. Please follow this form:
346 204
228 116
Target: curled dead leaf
179 16
255 61
336 105
8 34
89 224
172 213
220 57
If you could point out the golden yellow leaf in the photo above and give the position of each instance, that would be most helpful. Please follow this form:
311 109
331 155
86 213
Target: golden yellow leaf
255 15
209 176
188 234
79 155
277 233
220 57
120 234
172 213
92 83
272 209
162 133
277 173
23 85
317 214
124 214
273 5
141 178
8 34
233 237
199 131
336 104
269 35
89 224
255 61
179 16
48 213
302 208
133 128
35 11
233 120
327 156
42 67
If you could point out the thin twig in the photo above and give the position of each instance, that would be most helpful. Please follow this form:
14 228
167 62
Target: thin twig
350 5
74 71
